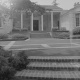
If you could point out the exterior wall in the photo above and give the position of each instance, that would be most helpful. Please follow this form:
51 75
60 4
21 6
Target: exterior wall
26 21
67 20
56 19
6 25
47 22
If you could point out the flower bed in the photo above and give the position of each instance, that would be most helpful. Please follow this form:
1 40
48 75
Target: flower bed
16 37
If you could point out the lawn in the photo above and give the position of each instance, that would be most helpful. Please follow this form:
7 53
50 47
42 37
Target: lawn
56 47
53 52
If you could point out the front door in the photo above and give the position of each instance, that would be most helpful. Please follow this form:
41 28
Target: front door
35 25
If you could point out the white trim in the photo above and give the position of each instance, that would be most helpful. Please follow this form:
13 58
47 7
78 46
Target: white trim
21 19
32 22
41 22
51 20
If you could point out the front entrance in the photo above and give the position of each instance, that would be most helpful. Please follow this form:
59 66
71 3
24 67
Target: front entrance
36 25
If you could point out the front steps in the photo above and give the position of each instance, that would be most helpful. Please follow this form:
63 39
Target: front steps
40 34
51 68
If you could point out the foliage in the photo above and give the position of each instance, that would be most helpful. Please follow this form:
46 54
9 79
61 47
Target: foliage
64 36
27 5
16 30
19 62
63 29
76 30
10 64
7 73
3 62
5 53
55 29
3 36
19 36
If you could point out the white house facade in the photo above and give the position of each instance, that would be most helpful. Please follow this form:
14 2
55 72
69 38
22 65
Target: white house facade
54 17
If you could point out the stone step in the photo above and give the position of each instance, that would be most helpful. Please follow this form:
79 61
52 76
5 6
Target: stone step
67 69
48 64
42 75
59 59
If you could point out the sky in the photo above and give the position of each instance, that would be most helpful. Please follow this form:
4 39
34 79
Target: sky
65 4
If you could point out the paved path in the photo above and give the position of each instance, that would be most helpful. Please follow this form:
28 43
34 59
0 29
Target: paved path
40 44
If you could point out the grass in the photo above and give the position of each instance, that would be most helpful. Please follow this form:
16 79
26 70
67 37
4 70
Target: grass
53 52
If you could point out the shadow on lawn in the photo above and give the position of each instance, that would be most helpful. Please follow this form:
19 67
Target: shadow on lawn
63 52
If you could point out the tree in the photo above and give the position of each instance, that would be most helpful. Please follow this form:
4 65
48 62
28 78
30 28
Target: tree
21 6
25 5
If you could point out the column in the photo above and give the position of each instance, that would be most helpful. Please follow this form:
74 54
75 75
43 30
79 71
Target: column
41 22
51 20
32 22
21 19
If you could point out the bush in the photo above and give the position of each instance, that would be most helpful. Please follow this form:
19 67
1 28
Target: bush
19 62
19 36
76 30
16 30
24 30
62 29
5 53
3 36
64 36
7 73
55 29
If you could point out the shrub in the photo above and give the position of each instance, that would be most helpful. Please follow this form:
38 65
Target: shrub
55 29
7 73
24 30
16 30
19 36
19 62
62 29
3 61
76 30
64 36
3 36
5 53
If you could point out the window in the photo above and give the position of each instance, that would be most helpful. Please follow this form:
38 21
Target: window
78 19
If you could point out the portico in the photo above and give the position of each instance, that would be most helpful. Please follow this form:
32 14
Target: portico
38 24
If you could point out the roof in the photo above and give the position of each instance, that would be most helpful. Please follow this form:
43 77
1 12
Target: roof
52 7
72 9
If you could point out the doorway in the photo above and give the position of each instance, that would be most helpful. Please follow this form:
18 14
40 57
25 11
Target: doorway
36 25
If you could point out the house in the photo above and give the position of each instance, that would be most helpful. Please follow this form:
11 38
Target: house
6 24
55 17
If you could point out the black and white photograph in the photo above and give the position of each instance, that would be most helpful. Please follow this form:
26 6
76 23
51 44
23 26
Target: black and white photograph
39 39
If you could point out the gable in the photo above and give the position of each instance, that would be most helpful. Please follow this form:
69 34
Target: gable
75 9
52 7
